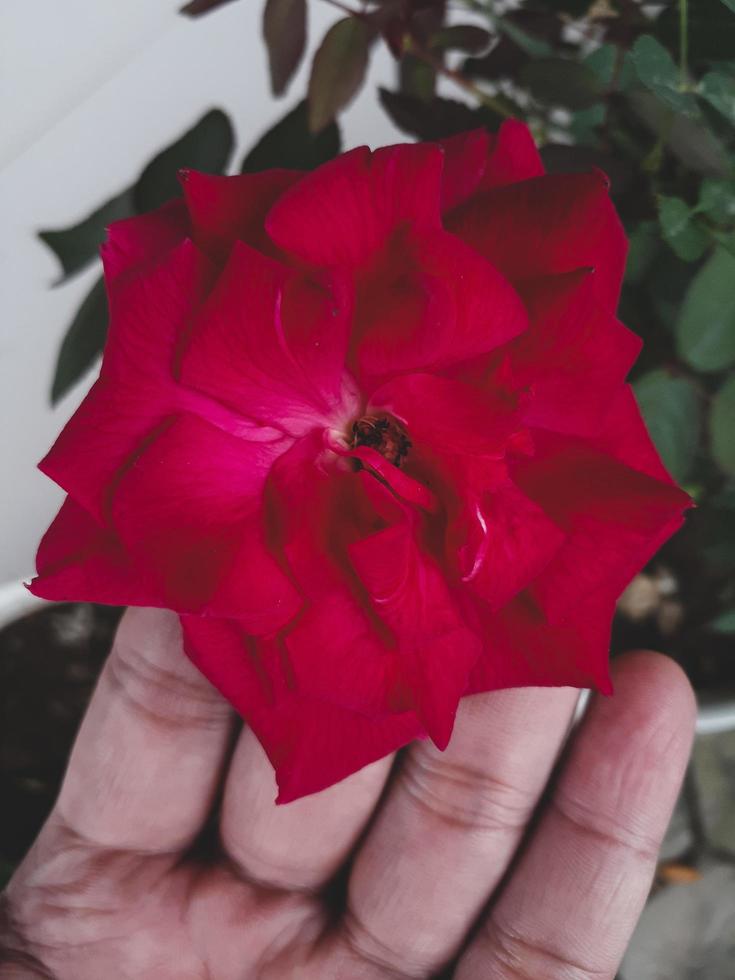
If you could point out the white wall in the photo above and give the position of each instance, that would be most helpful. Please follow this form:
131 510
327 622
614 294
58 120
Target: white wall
90 91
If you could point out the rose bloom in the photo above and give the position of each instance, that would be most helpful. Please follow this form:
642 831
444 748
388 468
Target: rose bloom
367 431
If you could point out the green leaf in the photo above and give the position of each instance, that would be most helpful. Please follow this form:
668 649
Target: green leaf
527 42
435 119
680 230
719 90
461 37
206 146
77 246
291 144
602 62
658 72
83 343
722 426
673 412
724 623
730 4
694 145
717 199
561 81
642 247
338 70
284 32
705 328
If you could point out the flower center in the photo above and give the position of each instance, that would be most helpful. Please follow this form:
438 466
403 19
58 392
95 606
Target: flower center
383 433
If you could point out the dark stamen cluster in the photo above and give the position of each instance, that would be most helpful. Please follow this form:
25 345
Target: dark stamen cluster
384 434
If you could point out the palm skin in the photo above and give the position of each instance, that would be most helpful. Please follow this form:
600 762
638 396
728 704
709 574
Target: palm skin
490 860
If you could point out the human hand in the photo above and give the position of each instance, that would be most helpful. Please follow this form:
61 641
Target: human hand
470 861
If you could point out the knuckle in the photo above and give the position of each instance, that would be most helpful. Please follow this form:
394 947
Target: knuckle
517 957
368 949
162 687
606 830
464 796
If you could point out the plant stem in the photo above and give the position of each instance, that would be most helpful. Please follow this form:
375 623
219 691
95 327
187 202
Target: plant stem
458 78
683 44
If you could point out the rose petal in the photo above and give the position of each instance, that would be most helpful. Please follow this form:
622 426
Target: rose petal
342 213
435 649
270 345
522 648
190 510
440 303
310 743
548 225
574 355
616 519
79 560
224 210
134 244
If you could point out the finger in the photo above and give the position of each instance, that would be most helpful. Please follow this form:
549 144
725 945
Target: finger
449 827
298 846
571 905
150 751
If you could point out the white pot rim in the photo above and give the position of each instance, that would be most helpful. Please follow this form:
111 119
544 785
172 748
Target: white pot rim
16 601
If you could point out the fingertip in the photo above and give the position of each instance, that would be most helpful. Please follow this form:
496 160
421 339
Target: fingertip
658 677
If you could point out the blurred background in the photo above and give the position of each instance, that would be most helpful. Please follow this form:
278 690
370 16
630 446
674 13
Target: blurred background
104 102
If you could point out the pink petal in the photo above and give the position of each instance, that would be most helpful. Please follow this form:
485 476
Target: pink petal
270 344
616 519
79 560
519 541
108 428
190 509
625 437
575 356
449 416
435 649
150 314
310 743
513 156
465 159
224 210
523 649
475 161
342 213
546 226
439 303
136 243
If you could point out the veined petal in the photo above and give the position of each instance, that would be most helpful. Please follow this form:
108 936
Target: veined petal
80 560
480 161
615 517
517 541
224 210
151 313
342 213
190 510
271 344
134 244
311 743
523 649
546 226
435 649
437 303
574 354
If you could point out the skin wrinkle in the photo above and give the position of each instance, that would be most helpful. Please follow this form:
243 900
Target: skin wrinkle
463 797
521 959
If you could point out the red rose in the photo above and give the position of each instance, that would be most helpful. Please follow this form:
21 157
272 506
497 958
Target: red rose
367 431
